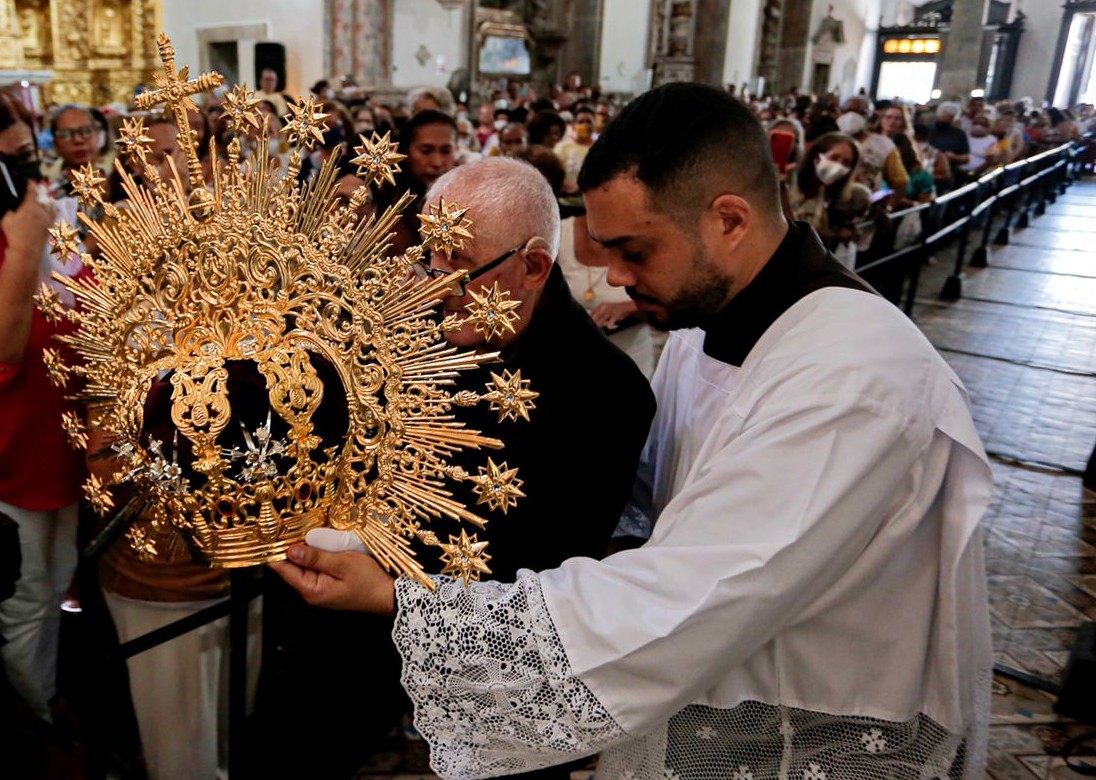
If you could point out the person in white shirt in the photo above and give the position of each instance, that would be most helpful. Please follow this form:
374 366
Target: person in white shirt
982 146
811 601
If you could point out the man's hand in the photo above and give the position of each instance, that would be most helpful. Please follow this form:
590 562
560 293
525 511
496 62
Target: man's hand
340 580
610 315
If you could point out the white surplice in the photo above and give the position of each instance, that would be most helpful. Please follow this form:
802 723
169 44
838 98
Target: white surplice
811 603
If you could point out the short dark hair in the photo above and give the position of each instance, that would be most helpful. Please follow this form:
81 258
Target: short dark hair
544 160
687 143
542 122
13 111
428 116
57 113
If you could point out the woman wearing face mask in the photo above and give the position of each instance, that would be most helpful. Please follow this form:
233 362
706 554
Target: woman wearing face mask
337 134
40 472
823 193
880 162
490 146
572 152
467 147
272 127
365 122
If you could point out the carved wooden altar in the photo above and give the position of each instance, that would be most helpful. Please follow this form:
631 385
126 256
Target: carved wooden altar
97 50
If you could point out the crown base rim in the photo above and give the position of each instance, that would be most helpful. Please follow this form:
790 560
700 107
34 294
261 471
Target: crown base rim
246 552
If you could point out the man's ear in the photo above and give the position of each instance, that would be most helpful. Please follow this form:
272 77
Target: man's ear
731 216
538 264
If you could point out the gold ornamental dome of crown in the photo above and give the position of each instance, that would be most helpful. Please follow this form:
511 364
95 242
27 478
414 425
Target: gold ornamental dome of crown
270 310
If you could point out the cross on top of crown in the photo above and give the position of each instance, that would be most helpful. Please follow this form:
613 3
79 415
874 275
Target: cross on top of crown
174 90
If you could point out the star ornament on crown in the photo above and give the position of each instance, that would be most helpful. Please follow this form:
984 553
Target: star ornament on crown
300 369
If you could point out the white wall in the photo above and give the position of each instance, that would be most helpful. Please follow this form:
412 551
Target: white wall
743 33
424 23
852 61
299 24
855 56
1038 43
625 28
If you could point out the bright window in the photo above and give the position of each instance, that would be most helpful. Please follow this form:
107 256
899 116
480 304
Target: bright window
909 81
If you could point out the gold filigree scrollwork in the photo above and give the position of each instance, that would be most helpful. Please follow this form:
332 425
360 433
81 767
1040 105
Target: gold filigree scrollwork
200 409
268 276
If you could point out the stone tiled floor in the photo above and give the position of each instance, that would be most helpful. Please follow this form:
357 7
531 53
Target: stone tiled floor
1023 340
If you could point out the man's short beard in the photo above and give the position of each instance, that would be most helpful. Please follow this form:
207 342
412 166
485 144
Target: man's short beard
703 295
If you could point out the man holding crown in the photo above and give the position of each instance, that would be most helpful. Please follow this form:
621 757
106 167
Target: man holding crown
811 602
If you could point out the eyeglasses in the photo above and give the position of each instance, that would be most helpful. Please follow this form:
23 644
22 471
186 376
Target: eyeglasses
423 271
68 133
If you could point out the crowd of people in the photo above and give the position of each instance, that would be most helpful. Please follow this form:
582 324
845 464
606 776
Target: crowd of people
847 161
840 159
836 162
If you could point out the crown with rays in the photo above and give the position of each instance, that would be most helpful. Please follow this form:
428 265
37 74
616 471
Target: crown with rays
310 380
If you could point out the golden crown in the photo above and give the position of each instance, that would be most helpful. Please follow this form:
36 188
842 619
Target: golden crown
261 276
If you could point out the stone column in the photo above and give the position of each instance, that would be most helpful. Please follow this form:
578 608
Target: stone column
710 41
673 41
337 56
581 23
792 53
359 36
957 74
373 36
772 16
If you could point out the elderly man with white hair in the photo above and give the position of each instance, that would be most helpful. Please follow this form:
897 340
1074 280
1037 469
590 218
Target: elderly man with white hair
582 442
594 408
580 447
949 139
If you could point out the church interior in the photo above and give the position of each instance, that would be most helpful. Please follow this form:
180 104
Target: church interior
975 147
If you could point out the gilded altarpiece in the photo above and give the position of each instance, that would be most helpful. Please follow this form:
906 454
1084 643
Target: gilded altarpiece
98 50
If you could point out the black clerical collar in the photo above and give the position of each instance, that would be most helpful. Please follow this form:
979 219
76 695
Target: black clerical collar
799 266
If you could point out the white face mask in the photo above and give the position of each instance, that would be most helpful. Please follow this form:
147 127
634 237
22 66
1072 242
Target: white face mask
829 171
500 123
851 123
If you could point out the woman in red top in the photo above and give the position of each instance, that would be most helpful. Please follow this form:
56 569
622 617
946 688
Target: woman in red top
40 472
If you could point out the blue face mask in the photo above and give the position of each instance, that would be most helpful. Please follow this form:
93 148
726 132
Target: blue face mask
332 137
